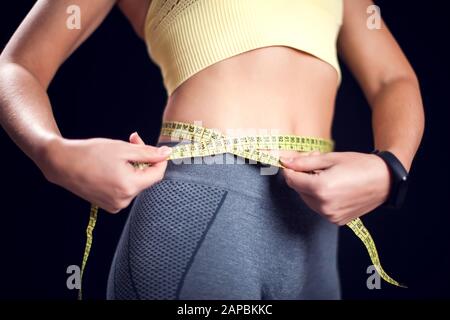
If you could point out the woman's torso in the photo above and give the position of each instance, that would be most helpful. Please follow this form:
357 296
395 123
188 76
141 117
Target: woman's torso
274 88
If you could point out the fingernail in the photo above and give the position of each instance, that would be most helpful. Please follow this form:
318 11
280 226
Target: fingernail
165 150
286 159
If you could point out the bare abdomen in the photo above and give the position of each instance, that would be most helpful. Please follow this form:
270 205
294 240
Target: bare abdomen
276 89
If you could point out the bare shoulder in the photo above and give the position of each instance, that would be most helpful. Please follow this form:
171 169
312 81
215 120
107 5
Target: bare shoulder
135 11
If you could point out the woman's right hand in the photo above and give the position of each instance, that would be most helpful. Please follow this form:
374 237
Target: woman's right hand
100 170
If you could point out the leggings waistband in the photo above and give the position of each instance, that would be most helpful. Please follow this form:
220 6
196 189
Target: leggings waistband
232 173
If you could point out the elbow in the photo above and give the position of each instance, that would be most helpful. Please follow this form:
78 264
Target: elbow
401 89
9 71
6 61
15 70
404 75
3 64
409 78
406 79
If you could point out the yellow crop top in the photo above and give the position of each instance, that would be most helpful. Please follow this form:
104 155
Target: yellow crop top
186 36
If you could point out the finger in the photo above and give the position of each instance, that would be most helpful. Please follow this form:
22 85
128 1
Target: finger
146 177
146 153
313 204
136 139
300 181
310 201
308 163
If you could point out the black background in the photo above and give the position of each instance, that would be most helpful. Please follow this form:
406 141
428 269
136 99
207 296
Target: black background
110 88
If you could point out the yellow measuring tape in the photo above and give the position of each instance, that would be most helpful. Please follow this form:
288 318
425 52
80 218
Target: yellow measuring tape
207 142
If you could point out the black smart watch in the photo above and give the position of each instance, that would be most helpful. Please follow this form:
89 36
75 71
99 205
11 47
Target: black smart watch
399 175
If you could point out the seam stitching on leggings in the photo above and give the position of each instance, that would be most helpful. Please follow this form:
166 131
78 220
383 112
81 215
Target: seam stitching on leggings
199 244
114 279
133 285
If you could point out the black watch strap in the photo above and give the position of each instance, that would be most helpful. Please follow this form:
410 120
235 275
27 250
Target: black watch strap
399 175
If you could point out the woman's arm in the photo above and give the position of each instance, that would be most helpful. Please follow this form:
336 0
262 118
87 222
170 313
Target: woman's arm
96 169
28 63
347 185
387 79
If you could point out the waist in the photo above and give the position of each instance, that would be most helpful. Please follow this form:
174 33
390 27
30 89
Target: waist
246 119
193 140
233 174
273 88
237 163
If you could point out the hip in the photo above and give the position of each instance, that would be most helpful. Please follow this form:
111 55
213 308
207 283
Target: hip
213 222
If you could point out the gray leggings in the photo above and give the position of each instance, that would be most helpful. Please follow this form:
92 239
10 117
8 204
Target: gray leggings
223 231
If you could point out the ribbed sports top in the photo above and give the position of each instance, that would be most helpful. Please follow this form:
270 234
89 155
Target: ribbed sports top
185 36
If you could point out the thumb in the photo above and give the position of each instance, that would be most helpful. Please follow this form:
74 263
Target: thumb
150 175
136 139
308 163
148 154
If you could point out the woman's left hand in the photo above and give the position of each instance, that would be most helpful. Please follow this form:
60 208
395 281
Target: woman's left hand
341 186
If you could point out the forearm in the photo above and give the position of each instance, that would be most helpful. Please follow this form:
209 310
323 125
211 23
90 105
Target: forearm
398 119
25 111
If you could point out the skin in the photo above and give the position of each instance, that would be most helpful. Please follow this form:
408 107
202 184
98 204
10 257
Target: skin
272 88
